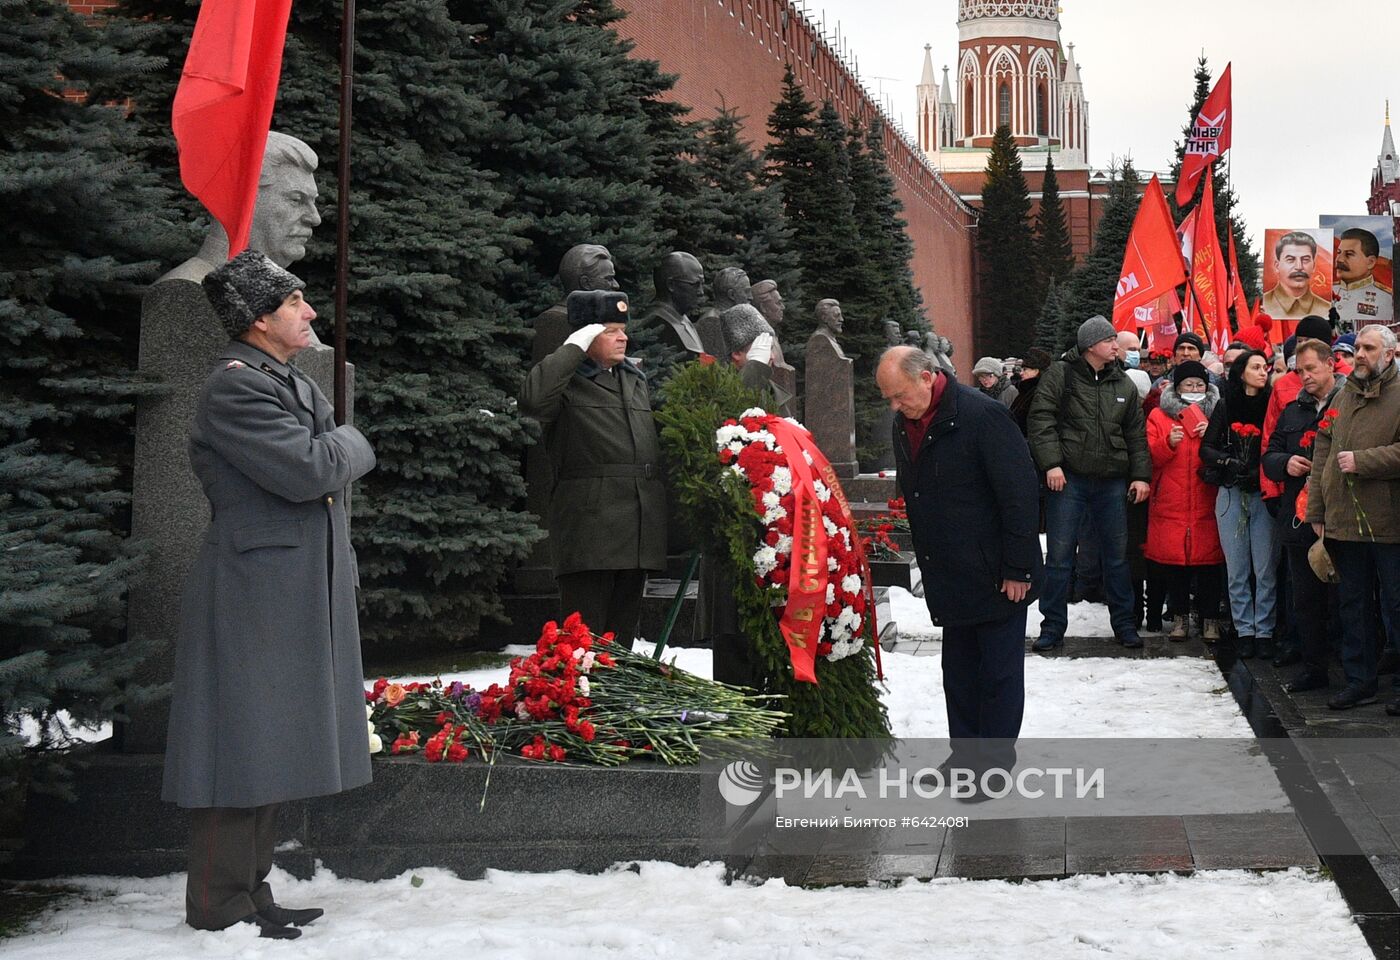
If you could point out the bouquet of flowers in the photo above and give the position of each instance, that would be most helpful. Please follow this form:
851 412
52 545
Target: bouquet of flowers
877 531
577 696
749 448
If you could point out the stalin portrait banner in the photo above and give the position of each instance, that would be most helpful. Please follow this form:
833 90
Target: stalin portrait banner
1297 276
1363 253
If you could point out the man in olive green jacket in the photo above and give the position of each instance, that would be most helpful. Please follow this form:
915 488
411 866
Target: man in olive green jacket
607 510
1354 505
1088 437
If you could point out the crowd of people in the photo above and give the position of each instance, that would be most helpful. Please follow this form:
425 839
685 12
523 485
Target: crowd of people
1251 498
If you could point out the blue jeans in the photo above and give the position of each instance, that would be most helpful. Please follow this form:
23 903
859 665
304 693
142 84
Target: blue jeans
1247 534
1105 500
1358 565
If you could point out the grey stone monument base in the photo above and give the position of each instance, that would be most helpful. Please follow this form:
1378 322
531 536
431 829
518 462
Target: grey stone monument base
538 817
847 469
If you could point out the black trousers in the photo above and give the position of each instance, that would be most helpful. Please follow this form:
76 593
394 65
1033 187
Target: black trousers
984 684
608 600
230 857
1311 599
1202 579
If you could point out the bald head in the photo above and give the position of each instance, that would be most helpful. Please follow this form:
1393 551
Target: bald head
905 376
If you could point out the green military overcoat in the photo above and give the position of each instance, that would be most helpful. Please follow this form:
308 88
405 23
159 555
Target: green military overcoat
607 510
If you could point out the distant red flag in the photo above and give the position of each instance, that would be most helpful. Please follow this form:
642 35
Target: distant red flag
1209 280
223 106
1237 297
1152 262
1208 138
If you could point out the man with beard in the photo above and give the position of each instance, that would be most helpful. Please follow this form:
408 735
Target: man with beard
1351 506
1295 256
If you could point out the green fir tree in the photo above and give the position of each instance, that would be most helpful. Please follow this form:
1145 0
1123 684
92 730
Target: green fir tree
1050 324
1006 249
437 349
1054 249
1091 288
83 233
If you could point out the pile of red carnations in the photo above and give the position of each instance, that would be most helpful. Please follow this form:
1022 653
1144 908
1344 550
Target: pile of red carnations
579 697
749 448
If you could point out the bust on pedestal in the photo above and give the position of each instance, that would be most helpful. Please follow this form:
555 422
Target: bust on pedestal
180 338
769 302
680 286
732 288
831 402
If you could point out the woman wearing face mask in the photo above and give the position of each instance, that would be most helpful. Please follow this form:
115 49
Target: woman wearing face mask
1230 451
1181 531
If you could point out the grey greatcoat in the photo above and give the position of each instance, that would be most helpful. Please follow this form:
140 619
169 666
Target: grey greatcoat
608 508
269 691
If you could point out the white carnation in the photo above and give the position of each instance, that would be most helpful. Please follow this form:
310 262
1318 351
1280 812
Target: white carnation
375 744
782 480
831 593
771 499
823 492
829 526
784 545
831 565
583 684
754 412
851 584
765 560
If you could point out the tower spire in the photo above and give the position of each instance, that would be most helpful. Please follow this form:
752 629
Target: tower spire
927 80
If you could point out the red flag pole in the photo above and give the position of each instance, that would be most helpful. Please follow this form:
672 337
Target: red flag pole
342 238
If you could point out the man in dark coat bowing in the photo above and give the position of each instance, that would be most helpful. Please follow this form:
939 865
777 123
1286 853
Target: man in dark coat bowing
970 489
269 698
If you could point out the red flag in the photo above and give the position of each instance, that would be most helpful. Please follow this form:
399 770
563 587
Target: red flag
223 106
1208 138
1237 297
1152 263
1209 281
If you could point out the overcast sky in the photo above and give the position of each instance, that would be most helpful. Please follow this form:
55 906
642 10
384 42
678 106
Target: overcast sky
1305 137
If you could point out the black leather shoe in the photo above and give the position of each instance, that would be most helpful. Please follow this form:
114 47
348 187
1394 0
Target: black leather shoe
268 930
1388 663
1264 648
1393 707
1287 658
1044 644
1131 641
1244 647
1154 623
1304 682
1352 695
284 916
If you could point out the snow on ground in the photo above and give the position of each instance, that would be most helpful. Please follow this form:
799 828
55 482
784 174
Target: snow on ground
690 913
910 612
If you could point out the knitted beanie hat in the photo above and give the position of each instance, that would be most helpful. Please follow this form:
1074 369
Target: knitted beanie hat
987 365
1094 330
247 287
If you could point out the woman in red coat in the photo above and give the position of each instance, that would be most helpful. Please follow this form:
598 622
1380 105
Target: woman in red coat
1182 537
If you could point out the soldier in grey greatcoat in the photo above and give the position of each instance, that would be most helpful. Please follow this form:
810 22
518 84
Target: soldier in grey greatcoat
269 699
607 512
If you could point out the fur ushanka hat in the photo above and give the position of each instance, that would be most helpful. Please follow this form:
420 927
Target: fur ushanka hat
247 287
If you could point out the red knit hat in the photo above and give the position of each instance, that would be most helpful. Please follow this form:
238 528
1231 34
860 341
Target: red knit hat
1256 337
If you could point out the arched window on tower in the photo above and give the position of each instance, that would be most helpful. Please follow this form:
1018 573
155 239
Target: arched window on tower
967 111
1042 119
1004 105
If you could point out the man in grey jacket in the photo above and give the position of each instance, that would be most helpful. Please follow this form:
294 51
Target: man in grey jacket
269 701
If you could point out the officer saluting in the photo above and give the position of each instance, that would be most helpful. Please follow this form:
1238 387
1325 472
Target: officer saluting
269 691
607 513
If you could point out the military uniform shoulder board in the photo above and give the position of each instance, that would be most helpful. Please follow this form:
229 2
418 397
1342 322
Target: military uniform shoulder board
235 364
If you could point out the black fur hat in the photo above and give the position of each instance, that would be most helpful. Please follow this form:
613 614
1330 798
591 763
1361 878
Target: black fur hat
596 306
247 287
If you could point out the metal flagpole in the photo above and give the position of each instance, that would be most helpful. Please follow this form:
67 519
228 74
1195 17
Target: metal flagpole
342 239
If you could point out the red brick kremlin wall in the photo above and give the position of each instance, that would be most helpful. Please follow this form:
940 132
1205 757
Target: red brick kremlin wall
734 51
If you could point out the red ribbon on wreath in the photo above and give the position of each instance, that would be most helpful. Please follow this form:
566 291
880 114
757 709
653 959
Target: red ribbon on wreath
801 621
